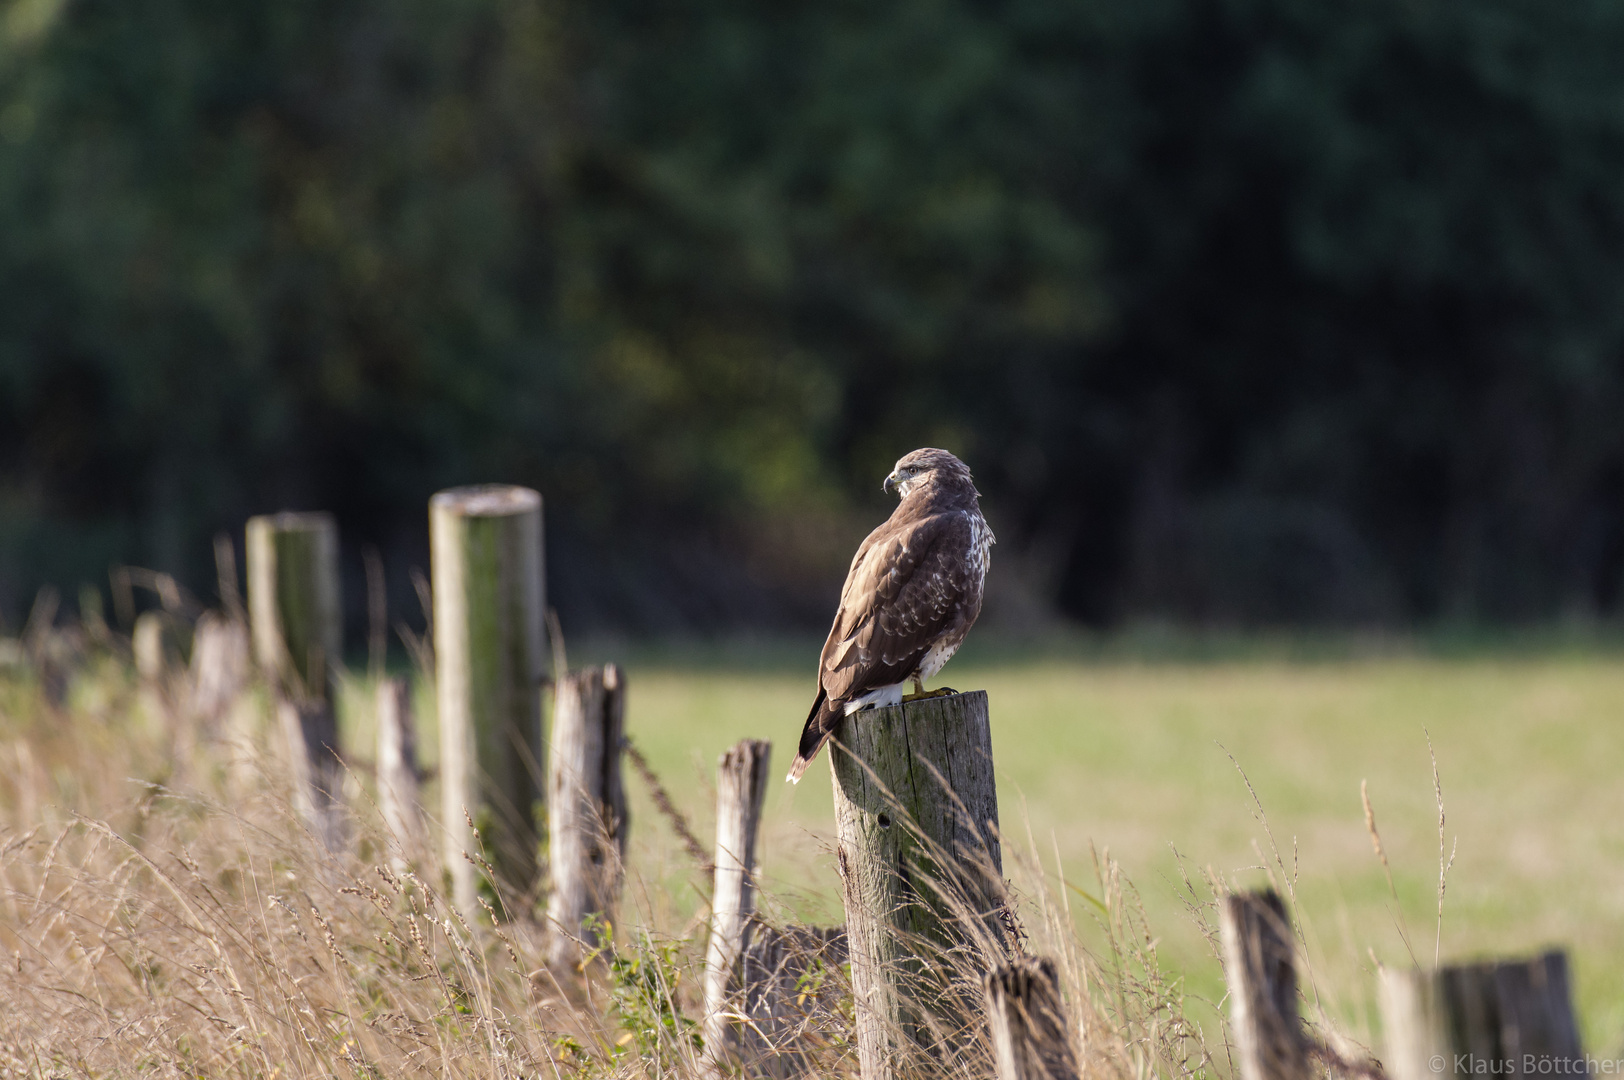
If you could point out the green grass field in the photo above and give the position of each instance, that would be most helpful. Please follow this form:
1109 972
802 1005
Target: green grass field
1136 757
1139 751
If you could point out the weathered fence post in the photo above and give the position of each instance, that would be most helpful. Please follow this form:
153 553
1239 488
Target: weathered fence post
916 811
295 622
1260 967
486 557
791 997
741 785
398 799
586 811
217 704
1507 1019
51 652
1028 1022
152 645
293 600
219 671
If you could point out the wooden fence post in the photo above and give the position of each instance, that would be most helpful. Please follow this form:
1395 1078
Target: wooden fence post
921 867
295 622
217 705
293 601
398 799
219 671
486 556
792 991
1028 1022
152 645
741 785
1260 967
586 811
1507 1019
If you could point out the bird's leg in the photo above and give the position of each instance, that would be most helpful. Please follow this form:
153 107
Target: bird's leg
920 693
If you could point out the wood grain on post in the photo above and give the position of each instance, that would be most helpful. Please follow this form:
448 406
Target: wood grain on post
741 785
398 798
295 624
486 556
586 812
1511 1018
1028 1022
1260 968
921 868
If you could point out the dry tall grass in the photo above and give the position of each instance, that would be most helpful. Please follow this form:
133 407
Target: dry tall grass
164 912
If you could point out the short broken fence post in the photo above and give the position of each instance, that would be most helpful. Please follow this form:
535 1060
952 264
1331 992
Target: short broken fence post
311 736
916 812
485 551
217 703
1260 968
296 627
1030 1040
219 671
792 989
152 645
1505 1019
586 812
741 786
398 797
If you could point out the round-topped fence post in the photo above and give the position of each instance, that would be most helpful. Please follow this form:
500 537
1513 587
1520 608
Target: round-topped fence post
489 651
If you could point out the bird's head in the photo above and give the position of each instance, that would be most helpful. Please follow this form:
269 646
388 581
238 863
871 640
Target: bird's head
928 467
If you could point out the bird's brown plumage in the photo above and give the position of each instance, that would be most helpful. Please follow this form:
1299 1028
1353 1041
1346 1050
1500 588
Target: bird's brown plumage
912 593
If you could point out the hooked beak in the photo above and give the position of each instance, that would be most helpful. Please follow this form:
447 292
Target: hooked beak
890 484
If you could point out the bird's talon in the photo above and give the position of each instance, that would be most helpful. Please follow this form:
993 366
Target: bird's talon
940 691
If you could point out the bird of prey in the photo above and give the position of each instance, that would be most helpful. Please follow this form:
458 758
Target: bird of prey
912 593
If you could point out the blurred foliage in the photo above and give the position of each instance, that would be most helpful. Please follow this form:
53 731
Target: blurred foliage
1243 310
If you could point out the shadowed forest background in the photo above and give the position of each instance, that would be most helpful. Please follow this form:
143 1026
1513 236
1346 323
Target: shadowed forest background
1245 312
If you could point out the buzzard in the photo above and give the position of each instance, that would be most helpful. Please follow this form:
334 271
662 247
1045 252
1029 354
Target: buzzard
912 593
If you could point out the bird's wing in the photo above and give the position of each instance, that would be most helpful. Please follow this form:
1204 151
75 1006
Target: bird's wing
902 593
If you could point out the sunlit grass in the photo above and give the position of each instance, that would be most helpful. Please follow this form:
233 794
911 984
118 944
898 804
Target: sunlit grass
1096 751
166 910
1136 758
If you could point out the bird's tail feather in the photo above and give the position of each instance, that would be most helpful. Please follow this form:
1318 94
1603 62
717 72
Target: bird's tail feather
819 723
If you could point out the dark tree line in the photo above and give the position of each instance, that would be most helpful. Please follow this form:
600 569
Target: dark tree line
1244 310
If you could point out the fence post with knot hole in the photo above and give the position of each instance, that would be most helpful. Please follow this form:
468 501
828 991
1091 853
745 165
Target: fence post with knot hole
1260 967
296 625
485 554
1028 1022
1502 1019
916 812
586 813
741 786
